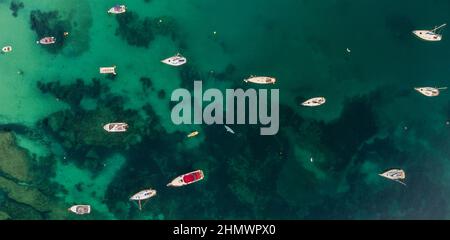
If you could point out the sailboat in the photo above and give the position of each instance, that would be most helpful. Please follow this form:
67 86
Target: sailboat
314 102
143 195
430 35
430 91
397 175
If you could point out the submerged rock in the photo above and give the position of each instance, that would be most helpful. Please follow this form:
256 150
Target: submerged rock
141 32
14 162
15 6
4 216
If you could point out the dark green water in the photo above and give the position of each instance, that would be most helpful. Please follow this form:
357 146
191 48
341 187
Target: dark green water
373 119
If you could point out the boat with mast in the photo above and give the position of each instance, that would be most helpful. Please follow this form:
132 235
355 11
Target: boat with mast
433 35
314 102
143 196
397 175
176 60
430 91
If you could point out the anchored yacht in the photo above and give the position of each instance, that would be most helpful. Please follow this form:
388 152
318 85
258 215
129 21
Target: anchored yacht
187 179
430 35
47 41
314 102
6 49
143 195
397 175
260 80
176 60
80 209
118 9
116 127
430 91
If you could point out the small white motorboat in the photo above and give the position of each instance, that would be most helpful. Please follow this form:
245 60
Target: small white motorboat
118 9
430 35
260 80
46 41
229 129
80 209
6 49
430 91
193 134
314 102
143 195
176 60
397 175
108 70
116 127
187 179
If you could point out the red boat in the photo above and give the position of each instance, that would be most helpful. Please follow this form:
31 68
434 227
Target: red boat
47 40
187 179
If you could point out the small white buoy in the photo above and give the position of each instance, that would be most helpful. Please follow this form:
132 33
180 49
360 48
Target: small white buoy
348 50
405 127
311 159
448 122
160 20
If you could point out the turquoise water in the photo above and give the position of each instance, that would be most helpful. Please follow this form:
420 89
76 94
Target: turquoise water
373 119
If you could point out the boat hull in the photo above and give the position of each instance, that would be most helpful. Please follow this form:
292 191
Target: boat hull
394 174
47 41
117 9
261 80
80 209
314 102
187 179
6 49
427 35
428 91
108 70
143 195
175 61
116 127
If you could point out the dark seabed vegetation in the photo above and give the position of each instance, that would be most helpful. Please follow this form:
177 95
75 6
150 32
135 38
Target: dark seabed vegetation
323 163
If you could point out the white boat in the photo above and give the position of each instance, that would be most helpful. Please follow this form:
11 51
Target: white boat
108 70
116 127
430 91
118 9
176 60
430 35
228 129
260 80
193 134
6 49
80 209
397 175
47 41
143 195
187 179
314 102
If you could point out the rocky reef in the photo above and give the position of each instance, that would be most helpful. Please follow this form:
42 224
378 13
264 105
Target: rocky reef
21 196
141 32
15 6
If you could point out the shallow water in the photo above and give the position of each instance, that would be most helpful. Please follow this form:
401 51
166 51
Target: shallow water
373 119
